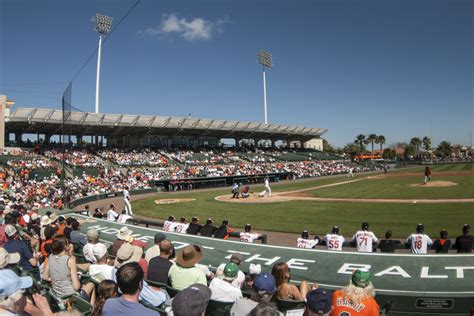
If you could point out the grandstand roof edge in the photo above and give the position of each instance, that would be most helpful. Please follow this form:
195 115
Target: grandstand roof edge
47 115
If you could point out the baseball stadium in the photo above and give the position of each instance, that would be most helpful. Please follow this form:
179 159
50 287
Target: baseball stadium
115 212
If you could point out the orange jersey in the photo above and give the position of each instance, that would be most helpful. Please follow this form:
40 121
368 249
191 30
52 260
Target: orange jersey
343 306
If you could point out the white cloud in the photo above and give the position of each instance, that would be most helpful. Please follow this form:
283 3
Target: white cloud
189 30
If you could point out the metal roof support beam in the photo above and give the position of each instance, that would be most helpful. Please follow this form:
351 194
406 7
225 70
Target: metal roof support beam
181 123
101 119
196 123
48 116
167 122
209 125
83 118
119 120
222 125
150 123
135 120
31 114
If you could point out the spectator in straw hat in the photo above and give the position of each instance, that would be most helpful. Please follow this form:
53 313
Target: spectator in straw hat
222 289
130 253
125 235
184 272
358 297
7 258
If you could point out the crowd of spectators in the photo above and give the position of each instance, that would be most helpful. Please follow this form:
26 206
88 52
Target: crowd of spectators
128 278
81 158
129 158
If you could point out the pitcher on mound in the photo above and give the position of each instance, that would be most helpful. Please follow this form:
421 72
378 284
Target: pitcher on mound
267 190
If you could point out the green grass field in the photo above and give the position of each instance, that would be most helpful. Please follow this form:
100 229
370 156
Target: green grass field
319 217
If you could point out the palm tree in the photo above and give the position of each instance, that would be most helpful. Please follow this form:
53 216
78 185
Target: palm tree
426 143
371 139
416 142
381 141
360 139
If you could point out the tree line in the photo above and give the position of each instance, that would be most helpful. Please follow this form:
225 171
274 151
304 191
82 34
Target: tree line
416 148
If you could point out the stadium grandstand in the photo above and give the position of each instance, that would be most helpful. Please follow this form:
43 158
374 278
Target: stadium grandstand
124 130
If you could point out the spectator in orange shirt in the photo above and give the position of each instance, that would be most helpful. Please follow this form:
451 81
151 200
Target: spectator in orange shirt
356 299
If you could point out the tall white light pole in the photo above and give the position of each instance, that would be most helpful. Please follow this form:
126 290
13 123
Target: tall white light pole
265 59
103 24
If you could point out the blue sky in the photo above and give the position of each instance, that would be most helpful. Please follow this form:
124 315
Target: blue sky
385 67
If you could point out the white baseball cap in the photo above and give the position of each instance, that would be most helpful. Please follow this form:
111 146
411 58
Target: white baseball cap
10 230
7 258
99 250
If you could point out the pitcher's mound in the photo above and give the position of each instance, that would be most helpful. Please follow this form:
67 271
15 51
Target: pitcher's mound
435 184
171 201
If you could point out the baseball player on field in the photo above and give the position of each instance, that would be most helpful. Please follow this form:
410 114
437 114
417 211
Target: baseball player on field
126 201
305 242
247 235
419 242
334 241
365 240
266 185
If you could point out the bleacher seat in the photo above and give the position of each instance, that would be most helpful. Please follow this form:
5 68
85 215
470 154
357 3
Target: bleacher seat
216 308
291 307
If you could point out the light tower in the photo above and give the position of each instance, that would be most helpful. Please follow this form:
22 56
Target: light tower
103 24
265 59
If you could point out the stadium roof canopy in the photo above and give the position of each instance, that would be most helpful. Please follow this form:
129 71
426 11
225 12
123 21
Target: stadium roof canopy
49 121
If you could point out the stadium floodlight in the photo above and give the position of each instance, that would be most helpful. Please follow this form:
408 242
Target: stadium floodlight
265 59
103 24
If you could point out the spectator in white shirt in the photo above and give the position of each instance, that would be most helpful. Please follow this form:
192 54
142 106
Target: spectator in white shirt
92 237
222 289
101 270
236 258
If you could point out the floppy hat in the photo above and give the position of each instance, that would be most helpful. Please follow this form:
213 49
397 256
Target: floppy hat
123 233
189 256
7 258
319 301
128 253
10 282
191 301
